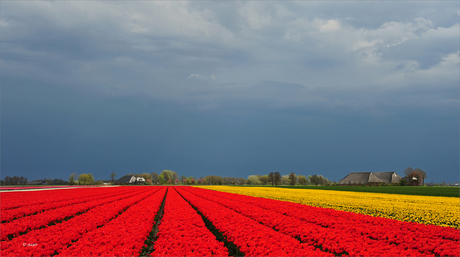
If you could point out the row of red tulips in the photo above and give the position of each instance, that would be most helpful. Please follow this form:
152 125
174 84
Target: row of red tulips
35 187
24 224
53 239
123 236
29 198
248 235
84 195
182 231
342 232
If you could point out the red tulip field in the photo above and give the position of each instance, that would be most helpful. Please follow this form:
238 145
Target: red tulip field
190 221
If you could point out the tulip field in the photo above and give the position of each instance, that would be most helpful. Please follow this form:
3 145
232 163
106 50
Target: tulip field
435 210
225 221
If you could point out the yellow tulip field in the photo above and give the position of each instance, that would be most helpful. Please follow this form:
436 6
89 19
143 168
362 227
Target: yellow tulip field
441 211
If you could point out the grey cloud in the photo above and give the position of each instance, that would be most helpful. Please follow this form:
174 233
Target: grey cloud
300 77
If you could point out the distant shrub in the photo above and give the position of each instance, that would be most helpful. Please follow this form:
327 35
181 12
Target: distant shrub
403 182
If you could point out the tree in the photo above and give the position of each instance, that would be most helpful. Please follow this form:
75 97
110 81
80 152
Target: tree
168 175
23 180
315 179
408 171
417 173
403 182
113 175
415 178
277 178
83 179
72 178
263 179
214 180
144 175
302 180
271 177
292 178
253 180
285 180
174 175
319 180
12 180
90 179
155 177
422 173
8 180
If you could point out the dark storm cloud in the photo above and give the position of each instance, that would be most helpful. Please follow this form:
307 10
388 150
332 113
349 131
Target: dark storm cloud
229 88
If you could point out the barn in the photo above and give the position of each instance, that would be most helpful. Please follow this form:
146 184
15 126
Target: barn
127 179
130 179
371 178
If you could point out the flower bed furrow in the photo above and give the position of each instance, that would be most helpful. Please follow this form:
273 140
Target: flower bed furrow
20 226
51 240
251 237
424 239
78 196
122 236
182 232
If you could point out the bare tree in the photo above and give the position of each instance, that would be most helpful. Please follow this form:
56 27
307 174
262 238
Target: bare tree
422 172
292 178
277 178
113 175
271 177
408 171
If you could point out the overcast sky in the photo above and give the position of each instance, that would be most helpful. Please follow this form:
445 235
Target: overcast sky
229 88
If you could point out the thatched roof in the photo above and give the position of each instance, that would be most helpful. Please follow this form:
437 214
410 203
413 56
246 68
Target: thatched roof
388 177
125 179
370 177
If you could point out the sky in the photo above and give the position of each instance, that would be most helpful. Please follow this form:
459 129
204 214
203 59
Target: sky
229 88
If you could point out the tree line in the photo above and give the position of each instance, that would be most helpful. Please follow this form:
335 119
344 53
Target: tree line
275 179
172 178
14 180
83 179
24 181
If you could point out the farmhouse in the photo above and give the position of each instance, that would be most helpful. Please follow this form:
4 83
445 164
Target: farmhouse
130 179
127 179
366 178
